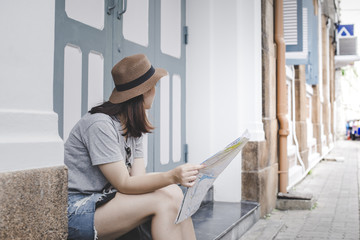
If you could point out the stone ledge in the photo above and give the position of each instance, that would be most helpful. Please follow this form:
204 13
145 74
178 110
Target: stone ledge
33 204
261 187
295 201
224 220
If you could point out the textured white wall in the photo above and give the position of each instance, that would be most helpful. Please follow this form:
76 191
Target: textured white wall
28 125
223 82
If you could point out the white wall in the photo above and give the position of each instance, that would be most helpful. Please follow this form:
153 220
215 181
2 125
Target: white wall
199 76
349 98
28 125
223 82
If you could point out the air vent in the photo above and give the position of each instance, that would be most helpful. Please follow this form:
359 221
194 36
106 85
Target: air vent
347 46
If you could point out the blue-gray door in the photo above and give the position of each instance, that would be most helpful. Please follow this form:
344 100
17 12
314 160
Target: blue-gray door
92 35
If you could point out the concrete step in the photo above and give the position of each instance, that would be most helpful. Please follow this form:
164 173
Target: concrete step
295 201
222 220
264 229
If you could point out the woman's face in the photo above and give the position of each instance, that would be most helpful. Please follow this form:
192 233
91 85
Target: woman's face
149 98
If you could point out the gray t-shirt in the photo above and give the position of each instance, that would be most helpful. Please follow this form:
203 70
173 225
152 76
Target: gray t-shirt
96 139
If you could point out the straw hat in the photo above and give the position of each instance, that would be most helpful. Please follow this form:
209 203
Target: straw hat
133 76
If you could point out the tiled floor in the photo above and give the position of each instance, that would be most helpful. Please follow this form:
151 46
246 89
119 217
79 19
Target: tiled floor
335 186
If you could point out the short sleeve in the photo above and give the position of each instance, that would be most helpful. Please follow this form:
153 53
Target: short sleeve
139 149
101 140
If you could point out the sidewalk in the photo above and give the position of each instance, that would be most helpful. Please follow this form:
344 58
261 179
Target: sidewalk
335 186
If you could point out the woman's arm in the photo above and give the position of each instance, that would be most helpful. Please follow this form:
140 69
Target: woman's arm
138 167
117 174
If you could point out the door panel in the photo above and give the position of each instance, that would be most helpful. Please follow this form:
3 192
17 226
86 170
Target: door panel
170 28
93 16
82 25
176 118
136 22
72 87
102 37
170 54
95 79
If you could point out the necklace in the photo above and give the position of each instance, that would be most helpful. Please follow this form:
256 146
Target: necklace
127 148
128 154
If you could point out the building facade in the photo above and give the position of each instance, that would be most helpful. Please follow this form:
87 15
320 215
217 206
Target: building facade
309 34
222 64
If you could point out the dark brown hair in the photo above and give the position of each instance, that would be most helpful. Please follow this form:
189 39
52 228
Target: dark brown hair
132 112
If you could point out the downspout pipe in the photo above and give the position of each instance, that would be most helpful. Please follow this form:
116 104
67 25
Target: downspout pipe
281 98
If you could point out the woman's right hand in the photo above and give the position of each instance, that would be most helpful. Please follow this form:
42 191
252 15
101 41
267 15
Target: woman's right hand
186 174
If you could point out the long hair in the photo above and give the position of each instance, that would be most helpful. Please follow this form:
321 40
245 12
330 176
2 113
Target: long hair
132 112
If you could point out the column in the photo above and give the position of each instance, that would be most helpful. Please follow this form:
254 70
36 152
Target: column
301 113
33 179
325 77
259 157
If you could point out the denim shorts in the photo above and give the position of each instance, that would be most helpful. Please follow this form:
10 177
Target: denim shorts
81 211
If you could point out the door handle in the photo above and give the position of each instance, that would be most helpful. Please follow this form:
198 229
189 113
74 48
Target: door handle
110 8
120 13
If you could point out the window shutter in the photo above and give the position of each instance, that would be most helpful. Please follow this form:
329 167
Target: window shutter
301 57
293 27
312 73
309 53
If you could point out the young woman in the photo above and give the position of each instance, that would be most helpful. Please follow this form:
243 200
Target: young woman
109 191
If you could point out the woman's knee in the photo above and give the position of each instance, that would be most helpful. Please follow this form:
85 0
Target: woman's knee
171 196
176 193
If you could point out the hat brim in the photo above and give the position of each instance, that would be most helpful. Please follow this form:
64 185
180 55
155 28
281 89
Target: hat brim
123 96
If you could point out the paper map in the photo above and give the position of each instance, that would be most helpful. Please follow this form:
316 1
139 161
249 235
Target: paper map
214 166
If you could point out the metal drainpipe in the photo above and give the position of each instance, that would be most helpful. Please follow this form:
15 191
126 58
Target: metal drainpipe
281 105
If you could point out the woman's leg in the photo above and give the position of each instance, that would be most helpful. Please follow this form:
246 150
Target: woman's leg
163 222
187 228
125 212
